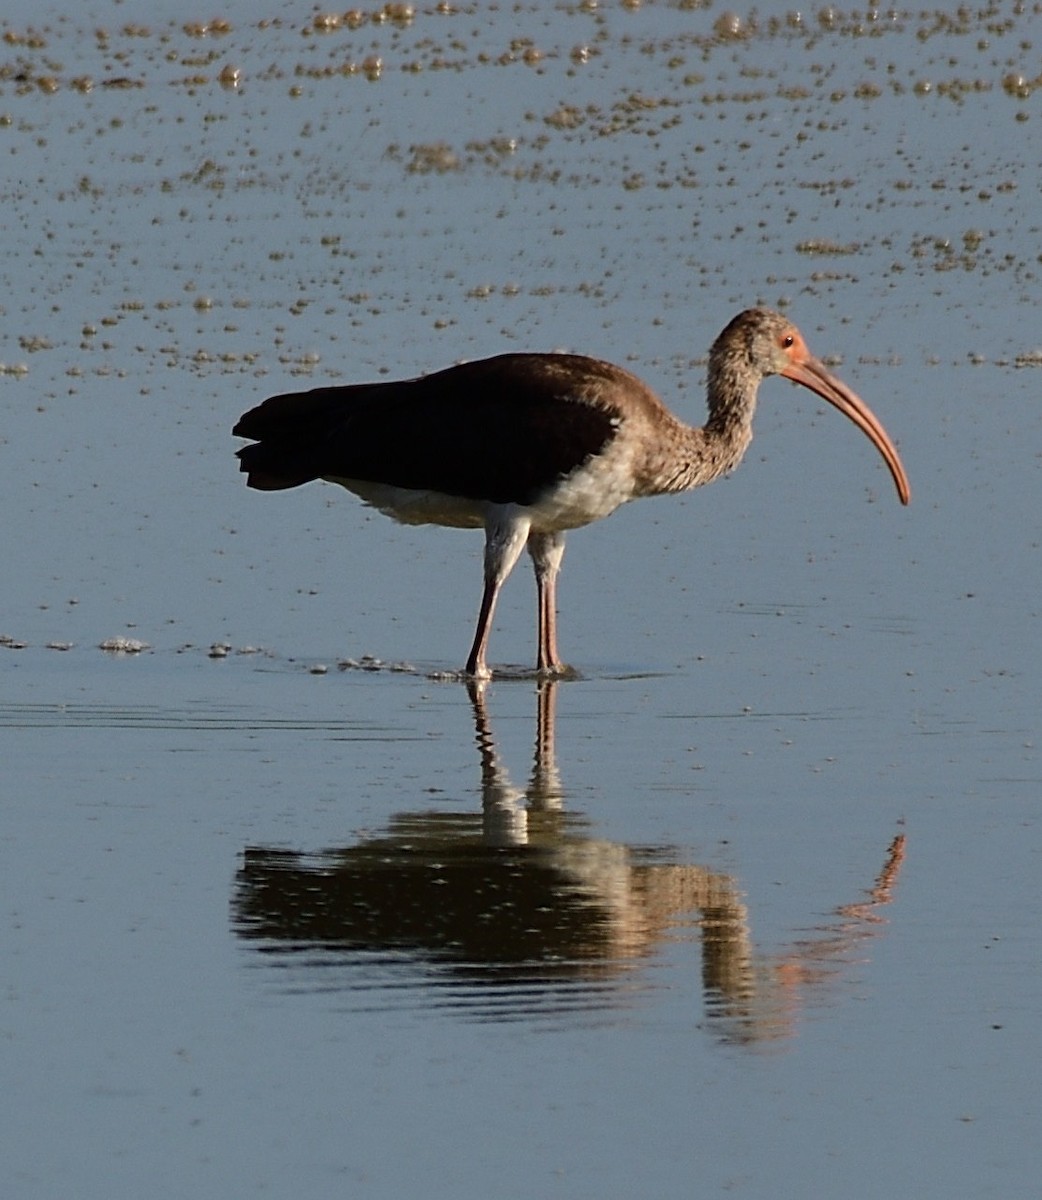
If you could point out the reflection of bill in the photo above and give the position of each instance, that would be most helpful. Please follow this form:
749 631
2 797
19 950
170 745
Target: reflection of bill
518 912
758 997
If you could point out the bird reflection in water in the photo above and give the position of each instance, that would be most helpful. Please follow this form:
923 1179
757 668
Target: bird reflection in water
519 913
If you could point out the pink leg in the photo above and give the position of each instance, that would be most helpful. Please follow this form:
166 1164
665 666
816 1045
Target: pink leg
547 550
504 541
476 666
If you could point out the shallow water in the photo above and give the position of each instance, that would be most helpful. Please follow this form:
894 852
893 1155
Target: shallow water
751 905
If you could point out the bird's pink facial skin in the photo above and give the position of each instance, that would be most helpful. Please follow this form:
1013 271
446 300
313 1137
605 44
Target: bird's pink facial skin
802 367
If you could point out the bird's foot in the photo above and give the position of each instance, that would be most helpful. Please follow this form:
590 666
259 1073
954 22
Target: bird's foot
483 674
557 670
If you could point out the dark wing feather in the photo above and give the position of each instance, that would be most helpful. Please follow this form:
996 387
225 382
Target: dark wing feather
502 429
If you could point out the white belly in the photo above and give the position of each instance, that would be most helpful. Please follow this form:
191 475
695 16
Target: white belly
588 494
594 490
412 507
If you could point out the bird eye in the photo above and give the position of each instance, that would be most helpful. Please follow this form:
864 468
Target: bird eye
788 341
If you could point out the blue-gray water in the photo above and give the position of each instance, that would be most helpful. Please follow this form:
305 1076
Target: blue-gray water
762 918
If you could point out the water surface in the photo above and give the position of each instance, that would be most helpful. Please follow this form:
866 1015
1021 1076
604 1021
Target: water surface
750 905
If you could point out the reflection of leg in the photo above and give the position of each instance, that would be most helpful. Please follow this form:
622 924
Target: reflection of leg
547 550
545 791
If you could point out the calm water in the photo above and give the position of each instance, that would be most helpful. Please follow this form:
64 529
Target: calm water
748 909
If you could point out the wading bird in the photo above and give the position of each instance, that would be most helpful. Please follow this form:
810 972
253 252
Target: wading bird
528 446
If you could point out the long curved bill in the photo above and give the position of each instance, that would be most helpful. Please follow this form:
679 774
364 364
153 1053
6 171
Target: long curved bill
813 374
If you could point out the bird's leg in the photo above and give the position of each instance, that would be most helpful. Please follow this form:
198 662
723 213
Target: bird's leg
476 666
505 538
547 550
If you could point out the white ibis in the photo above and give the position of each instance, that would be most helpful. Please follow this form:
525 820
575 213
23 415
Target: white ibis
527 446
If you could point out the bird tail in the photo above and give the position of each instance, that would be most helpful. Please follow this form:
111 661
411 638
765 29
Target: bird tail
289 432
269 472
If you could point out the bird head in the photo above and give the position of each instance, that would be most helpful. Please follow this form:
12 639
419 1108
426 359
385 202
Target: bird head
761 342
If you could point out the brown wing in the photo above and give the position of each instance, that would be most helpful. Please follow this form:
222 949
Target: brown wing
502 429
